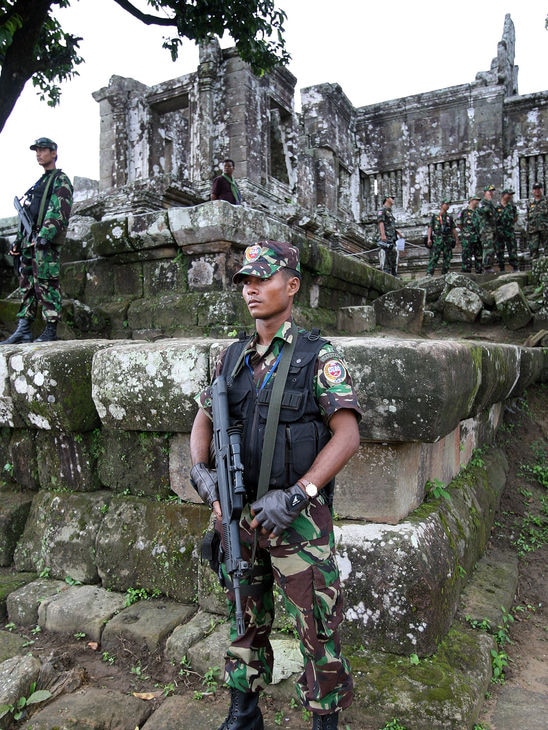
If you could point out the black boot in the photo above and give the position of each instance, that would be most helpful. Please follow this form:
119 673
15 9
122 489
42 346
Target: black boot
244 712
325 722
21 334
49 334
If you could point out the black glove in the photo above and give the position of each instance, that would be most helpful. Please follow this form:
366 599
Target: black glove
204 481
278 508
41 242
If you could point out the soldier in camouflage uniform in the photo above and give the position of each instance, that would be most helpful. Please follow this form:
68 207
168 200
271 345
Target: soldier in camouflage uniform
48 203
507 216
291 524
488 225
388 234
468 224
537 222
441 239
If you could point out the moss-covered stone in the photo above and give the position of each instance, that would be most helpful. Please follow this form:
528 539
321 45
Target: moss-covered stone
152 545
441 692
135 463
61 535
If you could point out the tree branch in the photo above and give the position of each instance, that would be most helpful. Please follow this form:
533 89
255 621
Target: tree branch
144 17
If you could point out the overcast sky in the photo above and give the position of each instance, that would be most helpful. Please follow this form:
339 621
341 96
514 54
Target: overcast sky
375 50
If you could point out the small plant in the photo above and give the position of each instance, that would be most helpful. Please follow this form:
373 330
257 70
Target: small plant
499 662
133 595
108 658
18 710
414 660
480 726
210 678
10 626
278 717
44 573
477 458
435 489
72 581
393 725
80 635
168 689
8 468
137 670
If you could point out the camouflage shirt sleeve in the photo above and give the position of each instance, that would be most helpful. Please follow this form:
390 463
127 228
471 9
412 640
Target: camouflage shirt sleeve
333 385
57 213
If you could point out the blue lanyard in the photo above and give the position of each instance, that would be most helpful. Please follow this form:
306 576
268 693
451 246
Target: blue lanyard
272 370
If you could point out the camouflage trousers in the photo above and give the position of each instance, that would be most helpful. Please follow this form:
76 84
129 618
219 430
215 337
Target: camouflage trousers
503 243
390 263
488 245
39 282
440 247
302 562
471 253
538 240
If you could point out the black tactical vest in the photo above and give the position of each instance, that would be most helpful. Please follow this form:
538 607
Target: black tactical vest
301 432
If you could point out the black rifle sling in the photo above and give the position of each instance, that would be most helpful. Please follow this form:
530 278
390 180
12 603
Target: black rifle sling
46 195
273 416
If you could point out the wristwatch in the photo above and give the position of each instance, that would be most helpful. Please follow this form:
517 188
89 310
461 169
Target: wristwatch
310 489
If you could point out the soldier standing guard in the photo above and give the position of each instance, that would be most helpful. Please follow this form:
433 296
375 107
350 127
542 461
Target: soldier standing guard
537 222
287 534
469 226
488 226
47 206
388 234
507 216
441 238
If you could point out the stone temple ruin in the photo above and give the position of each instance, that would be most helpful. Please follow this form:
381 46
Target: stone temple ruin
325 170
149 255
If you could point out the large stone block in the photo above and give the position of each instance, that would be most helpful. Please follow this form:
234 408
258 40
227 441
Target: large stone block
134 463
8 412
461 305
385 482
402 310
411 390
500 368
150 387
23 459
14 510
51 385
60 535
513 306
152 545
67 461
402 583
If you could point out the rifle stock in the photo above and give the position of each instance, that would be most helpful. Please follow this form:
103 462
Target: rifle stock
231 490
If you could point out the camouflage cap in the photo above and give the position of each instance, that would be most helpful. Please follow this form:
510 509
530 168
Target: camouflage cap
445 201
475 197
489 188
265 258
44 142
537 186
508 191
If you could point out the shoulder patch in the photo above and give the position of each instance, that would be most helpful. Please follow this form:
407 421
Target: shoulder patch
334 371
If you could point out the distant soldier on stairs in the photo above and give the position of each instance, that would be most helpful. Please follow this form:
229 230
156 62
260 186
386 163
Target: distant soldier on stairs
488 226
469 226
507 216
44 217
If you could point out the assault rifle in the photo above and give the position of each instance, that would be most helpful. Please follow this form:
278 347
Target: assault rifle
27 226
24 218
231 491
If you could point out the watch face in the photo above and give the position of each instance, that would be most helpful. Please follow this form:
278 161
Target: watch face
311 490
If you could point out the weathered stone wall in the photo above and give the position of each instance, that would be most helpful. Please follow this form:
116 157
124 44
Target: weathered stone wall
94 443
327 168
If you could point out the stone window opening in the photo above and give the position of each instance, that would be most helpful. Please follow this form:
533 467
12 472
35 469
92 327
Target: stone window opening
374 187
447 179
532 169
280 124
